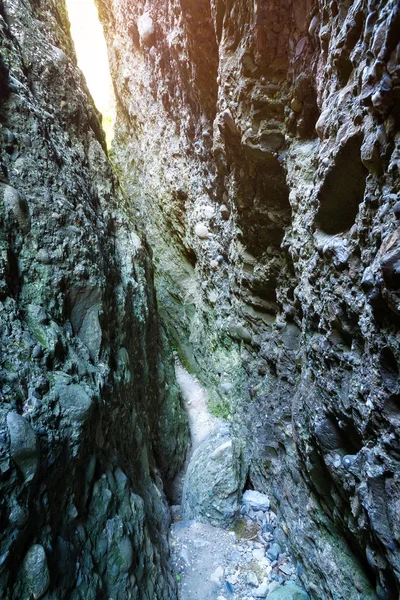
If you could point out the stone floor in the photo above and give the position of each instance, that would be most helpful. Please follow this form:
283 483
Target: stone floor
250 561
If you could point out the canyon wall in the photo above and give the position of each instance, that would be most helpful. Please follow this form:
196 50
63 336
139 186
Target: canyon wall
91 419
260 144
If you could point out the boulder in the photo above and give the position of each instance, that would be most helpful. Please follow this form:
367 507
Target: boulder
23 445
290 591
36 571
256 500
212 485
75 402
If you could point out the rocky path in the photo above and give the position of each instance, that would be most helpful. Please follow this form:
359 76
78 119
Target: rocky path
250 561
201 422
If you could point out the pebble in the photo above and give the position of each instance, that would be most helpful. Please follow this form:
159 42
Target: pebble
262 590
348 460
18 516
258 553
43 256
368 279
74 401
296 105
396 210
251 579
217 575
201 231
19 206
235 556
59 55
286 569
208 212
184 556
274 551
229 121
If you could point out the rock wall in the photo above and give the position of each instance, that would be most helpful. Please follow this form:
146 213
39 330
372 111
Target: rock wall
260 143
91 419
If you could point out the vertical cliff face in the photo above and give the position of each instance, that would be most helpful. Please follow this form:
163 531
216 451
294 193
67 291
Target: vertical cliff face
260 143
91 420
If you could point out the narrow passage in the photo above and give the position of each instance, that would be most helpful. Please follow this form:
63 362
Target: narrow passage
249 561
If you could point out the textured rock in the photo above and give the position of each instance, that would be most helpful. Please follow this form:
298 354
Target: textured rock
23 445
91 419
256 500
145 27
212 484
74 402
36 571
310 187
290 591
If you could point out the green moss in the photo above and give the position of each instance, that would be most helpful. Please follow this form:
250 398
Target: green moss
219 408
108 126
244 530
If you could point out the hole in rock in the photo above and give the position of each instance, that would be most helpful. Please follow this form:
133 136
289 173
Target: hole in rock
91 51
263 219
345 69
13 278
342 190
248 485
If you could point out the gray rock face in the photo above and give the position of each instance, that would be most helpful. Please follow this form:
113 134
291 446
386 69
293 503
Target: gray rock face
286 114
211 491
91 419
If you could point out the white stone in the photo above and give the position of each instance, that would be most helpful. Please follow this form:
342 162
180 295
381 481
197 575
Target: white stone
217 575
258 553
145 27
201 231
208 212
262 590
256 500
251 579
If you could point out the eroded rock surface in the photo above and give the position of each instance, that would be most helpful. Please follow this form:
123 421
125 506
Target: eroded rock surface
91 418
260 143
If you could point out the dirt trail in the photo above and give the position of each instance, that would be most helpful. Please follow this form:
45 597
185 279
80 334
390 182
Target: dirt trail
211 563
201 422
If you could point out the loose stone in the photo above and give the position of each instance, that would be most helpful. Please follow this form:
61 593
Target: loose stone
36 571
23 442
201 231
256 500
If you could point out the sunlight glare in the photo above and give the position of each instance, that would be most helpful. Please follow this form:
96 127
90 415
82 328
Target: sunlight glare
91 50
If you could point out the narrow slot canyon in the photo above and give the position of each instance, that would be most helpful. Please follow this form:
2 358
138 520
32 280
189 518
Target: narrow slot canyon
199 299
